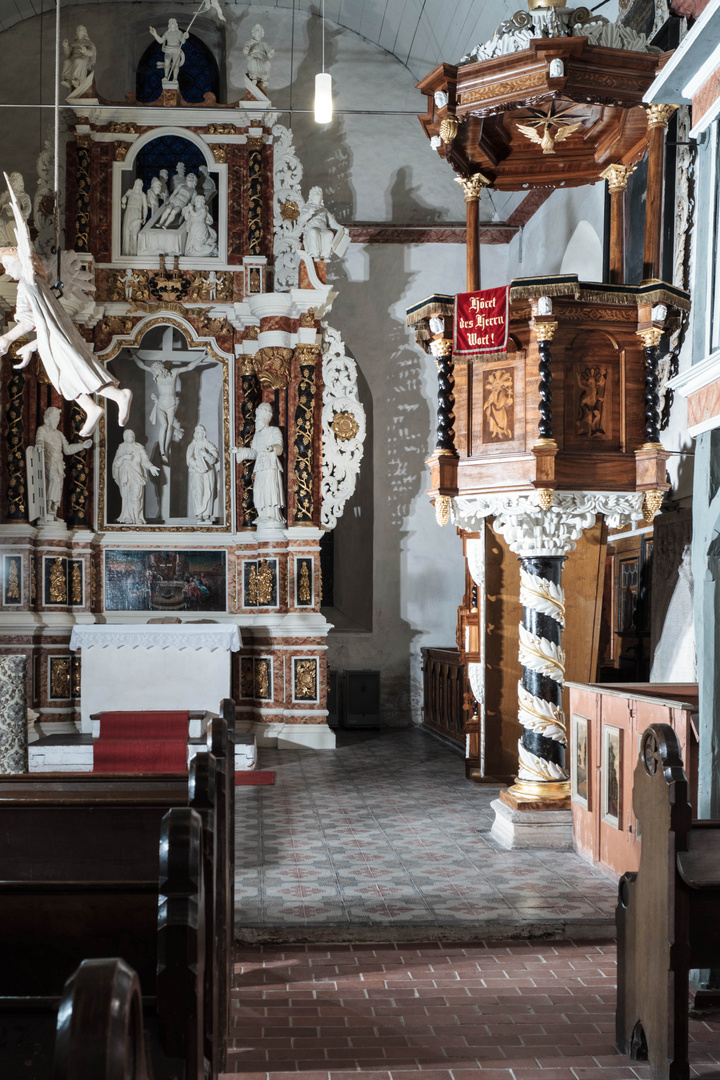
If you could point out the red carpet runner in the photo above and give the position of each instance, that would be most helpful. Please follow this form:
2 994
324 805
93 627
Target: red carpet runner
141 742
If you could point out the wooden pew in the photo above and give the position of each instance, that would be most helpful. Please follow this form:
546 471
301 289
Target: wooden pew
163 791
158 920
667 913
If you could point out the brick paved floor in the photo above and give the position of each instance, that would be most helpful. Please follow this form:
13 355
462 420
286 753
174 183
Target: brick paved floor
520 1011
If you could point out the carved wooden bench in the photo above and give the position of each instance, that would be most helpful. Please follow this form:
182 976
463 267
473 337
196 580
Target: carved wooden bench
668 913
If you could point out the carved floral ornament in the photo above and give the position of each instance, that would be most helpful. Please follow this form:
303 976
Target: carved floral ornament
272 366
531 530
341 449
345 426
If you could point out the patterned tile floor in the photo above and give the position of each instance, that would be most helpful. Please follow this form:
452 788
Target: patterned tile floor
384 832
520 1011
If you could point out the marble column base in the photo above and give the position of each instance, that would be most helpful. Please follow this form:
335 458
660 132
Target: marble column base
532 830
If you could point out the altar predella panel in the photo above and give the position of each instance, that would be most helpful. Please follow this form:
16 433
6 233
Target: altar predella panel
195 277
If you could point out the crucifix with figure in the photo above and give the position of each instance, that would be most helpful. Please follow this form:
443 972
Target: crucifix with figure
167 381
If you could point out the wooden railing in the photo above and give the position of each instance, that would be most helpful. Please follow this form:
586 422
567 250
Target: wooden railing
444 688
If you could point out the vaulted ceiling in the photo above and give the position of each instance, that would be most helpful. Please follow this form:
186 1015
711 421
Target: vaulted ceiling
420 33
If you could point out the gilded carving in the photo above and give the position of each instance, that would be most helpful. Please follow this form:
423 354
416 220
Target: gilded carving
503 90
273 366
289 210
117 324
212 326
76 675
304 587
449 127
345 426
659 115
221 129
592 383
544 331
255 142
76 589
121 150
254 196
265 591
205 289
252 333
82 202
79 471
12 590
219 152
251 596
83 139
15 436
304 433
130 288
498 401
117 128
617 176
262 679
651 336
58 582
305 680
472 185
60 677
308 317
652 501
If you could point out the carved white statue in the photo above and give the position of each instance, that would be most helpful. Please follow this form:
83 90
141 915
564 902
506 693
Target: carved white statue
202 458
209 190
163 178
265 450
134 203
177 202
322 234
67 358
165 402
201 237
130 469
80 58
8 231
171 42
179 177
55 446
212 284
154 195
258 55
129 280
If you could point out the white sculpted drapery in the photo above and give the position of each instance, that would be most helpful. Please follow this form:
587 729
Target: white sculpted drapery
130 469
202 458
54 445
265 451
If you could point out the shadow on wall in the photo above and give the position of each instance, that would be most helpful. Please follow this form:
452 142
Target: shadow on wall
367 313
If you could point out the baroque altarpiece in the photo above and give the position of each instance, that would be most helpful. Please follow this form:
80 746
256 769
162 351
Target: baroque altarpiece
196 269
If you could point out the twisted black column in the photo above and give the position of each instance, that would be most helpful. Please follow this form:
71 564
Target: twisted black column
544 332
543 743
79 473
15 439
445 443
651 341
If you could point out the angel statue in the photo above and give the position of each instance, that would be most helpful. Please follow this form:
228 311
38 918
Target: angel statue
67 358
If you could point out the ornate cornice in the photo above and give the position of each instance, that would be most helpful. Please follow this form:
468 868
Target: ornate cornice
531 530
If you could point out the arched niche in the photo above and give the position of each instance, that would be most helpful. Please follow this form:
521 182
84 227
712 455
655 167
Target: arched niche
593 409
199 75
167 148
201 390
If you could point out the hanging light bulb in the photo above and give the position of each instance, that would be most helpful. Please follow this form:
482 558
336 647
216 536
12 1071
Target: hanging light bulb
323 85
323 97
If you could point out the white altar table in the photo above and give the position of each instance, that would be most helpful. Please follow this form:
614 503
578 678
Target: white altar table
142 666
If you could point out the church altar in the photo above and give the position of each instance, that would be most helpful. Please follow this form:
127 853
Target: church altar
146 667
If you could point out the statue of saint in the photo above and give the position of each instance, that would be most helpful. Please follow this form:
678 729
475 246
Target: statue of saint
67 358
79 60
202 458
166 401
130 469
134 203
201 238
322 234
55 446
172 42
8 231
265 450
258 56
155 195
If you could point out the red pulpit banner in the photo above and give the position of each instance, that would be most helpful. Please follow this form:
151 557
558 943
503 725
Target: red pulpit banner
481 322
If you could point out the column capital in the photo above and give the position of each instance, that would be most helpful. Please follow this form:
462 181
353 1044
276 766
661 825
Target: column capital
659 115
544 331
441 347
473 185
617 176
650 337
531 530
